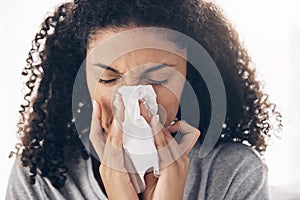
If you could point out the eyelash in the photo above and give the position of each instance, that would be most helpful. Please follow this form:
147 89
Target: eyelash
147 80
157 82
108 81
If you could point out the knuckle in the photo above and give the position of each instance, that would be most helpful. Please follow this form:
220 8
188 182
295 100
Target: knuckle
184 163
103 171
160 142
92 137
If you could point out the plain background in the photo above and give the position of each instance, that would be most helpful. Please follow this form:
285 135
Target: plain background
268 28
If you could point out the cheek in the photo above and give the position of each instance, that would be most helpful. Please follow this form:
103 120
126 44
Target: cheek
168 104
103 96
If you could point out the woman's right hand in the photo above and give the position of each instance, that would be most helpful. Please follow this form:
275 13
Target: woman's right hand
113 173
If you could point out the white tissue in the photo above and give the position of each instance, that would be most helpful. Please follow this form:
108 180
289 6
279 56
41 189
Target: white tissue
138 140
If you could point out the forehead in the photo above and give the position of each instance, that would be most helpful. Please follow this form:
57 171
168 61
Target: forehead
149 34
112 43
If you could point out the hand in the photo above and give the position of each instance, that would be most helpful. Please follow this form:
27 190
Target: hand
113 173
174 160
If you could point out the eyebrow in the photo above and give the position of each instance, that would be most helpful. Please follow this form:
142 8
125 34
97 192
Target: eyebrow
107 67
158 67
155 68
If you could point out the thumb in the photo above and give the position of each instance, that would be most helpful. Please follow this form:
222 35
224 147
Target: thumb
96 136
190 135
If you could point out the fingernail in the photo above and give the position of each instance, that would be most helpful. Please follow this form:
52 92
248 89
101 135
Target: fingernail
117 100
96 108
144 103
115 123
156 173
172 123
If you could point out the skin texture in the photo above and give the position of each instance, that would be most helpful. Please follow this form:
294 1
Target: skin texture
47 122
130 66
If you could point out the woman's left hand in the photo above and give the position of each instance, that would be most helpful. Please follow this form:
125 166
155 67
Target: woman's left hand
174 160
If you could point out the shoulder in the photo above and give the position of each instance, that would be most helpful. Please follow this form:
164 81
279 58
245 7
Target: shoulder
229 171
234 160
235 155
19 186
19 173
80 183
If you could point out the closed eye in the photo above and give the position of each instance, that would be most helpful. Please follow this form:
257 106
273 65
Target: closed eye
103 81
156 82
157 75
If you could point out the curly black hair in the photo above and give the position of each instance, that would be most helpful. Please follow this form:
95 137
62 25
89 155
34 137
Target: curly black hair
47 126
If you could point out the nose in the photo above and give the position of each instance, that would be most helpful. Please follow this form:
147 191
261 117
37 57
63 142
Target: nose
133 78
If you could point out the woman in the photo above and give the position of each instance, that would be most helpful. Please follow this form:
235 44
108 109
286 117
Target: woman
55 163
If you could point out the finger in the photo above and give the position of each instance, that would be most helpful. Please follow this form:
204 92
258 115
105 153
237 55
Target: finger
157 129
113 153
190 135
173 146
115 135
96 136
119 106
135 179
145 112
113 157
161 143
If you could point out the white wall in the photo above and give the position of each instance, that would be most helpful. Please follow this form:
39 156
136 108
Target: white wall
19 22
268 28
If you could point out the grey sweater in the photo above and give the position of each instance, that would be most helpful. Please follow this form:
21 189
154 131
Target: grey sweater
229 171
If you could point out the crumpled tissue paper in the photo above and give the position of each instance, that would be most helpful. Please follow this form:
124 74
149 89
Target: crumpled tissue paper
138 141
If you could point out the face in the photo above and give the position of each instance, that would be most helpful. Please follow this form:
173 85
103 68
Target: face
164 70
